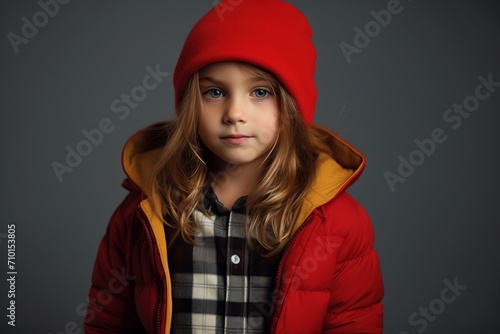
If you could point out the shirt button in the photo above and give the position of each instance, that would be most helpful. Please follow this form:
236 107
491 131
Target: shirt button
235 259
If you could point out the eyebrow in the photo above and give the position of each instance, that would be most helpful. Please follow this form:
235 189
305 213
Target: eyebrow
253 79
210 79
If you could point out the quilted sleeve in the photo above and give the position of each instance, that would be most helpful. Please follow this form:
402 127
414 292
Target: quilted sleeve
111 307
357 290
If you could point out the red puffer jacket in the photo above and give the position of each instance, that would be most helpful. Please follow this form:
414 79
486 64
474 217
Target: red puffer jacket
328 281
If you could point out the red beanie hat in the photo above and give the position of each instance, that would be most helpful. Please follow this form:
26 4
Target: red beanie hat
270 34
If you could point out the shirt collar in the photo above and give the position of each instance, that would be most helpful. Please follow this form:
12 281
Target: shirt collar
212 203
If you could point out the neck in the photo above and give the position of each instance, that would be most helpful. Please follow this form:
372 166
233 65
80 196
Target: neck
231 182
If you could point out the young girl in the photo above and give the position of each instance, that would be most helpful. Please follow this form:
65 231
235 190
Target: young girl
237 220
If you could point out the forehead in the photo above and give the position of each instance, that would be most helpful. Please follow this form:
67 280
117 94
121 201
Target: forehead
229 71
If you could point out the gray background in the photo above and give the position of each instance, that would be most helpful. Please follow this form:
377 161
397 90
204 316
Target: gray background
441 223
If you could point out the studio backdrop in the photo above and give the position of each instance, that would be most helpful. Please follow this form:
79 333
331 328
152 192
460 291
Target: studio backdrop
414 85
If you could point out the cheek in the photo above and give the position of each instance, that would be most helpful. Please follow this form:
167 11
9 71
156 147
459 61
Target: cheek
203 133
274 122
269 130
205 124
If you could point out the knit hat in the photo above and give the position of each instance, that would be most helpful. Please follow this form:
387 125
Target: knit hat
270 34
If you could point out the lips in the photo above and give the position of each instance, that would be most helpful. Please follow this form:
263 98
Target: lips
235 139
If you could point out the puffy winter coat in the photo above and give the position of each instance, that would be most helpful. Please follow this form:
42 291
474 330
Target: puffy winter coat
328 281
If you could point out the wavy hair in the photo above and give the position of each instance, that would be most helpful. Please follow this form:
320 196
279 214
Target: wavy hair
176 185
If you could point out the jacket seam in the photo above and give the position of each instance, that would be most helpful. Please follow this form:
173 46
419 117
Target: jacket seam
354 309
370 252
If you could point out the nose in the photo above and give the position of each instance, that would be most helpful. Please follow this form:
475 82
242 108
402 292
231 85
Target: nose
235 111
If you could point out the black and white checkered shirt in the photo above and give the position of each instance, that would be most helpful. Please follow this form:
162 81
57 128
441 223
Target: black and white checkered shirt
220 285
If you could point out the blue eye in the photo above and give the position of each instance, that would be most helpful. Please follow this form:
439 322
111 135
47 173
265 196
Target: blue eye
260 93
214 93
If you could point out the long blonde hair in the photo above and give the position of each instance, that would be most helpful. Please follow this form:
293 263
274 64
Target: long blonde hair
176 185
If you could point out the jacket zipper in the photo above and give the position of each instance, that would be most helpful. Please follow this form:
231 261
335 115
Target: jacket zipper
153 263
285 253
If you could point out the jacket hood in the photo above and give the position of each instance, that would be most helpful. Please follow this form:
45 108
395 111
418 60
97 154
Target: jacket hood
339 164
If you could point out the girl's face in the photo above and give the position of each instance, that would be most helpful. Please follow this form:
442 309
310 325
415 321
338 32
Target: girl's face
239 114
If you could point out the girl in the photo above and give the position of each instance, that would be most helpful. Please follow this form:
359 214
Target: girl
237 219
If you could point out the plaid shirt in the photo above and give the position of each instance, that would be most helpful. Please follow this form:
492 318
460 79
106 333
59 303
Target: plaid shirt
220 285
